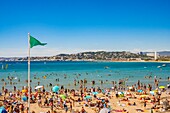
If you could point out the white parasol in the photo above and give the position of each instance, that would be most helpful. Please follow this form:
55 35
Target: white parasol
38 87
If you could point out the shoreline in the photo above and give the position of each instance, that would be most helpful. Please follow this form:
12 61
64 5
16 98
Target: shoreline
90 61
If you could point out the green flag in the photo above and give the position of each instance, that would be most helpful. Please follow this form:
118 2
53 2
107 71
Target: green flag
35 42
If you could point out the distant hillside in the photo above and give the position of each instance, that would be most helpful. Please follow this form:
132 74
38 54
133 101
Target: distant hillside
99 55
164 53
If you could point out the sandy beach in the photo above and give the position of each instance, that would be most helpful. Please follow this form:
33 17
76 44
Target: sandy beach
116 99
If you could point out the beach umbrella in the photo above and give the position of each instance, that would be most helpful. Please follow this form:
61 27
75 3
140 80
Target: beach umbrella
120 93
24 91
55 89
155 91
130 87
38 87
63 96
152 92
140 91
88 97
161 87
104 110
95 93
24 98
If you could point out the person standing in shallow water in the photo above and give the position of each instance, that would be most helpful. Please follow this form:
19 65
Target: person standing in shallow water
75 82
14 88
93 82
101 82
3 88
138 83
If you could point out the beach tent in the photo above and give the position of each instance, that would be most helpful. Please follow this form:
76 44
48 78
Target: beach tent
55 89
38 87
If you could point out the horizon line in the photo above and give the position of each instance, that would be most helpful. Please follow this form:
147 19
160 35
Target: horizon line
84 52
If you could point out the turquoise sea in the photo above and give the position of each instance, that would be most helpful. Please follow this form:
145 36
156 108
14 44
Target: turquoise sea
106 71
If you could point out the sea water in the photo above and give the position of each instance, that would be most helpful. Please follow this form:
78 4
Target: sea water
47 72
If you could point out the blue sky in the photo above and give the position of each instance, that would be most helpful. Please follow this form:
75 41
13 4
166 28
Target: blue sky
71 26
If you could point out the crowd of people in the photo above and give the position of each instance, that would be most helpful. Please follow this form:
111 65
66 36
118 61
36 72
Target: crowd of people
85 100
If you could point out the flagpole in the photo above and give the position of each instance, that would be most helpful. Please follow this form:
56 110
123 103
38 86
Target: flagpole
28 73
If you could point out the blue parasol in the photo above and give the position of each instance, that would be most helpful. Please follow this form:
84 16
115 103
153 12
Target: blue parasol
95 93
24 98
140 91
55 89
88 97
